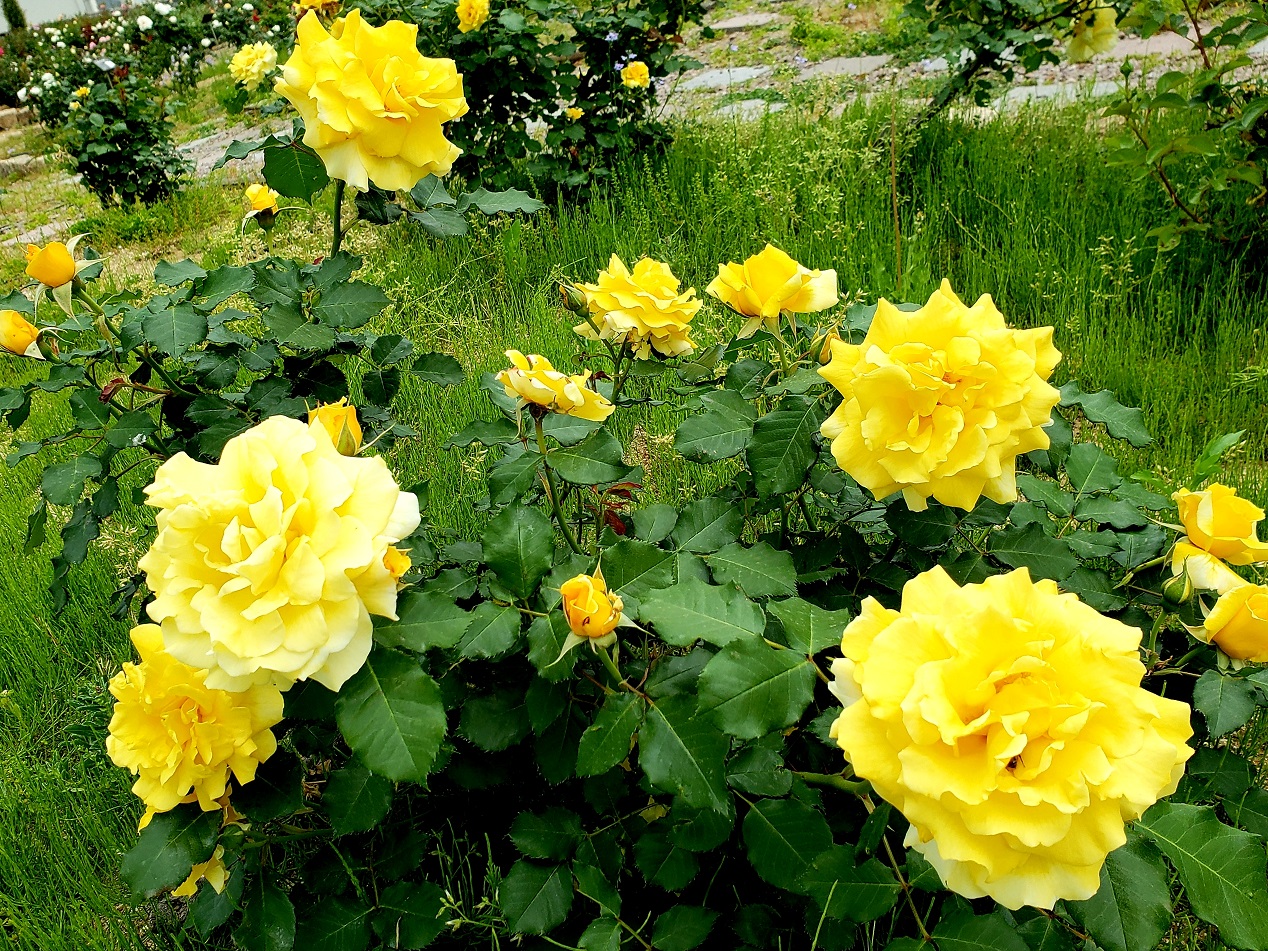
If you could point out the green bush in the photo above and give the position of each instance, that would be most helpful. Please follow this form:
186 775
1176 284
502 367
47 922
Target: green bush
13 15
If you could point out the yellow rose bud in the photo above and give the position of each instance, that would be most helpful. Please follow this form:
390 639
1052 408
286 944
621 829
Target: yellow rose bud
397 562
472 14
1221 522
1238 623
825 353
262 198
181 738
1178 589
770 283
18 335
252 63
1203 569
532 379
591 610
636 75
374 108
641 307
1006 721
1095 31
339 420
52 265
574 298
939 402
213 870
573 113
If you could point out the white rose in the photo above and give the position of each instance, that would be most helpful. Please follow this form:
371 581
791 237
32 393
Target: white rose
143 22
215 24
36 91
61 45
247 7
171 19
47 79
205 42
162 9
22 94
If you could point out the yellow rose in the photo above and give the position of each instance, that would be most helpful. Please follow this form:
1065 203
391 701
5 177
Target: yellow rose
52 265
1203 569
641 307
472 14
573 113
533 380
82 92
339 420
252 63
373 106
939 402
18 335
1007 723
1238 623
1221 522
182 739
262 199
326 8
592 611
74 106
636 75
770 283
1095 31
213 870
267 566
397 562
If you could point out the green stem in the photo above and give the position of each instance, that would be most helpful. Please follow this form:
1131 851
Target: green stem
552 489
782 349
614 672
622 356
859 788
339 189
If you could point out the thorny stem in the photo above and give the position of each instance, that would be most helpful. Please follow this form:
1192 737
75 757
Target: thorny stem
552 489
621 374
339 233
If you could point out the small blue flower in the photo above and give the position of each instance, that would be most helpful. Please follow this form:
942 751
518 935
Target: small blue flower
613 36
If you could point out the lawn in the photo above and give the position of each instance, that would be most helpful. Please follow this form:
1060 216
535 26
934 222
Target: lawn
1023 208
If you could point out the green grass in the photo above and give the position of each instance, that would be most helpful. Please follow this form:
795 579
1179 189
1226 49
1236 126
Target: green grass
1023 208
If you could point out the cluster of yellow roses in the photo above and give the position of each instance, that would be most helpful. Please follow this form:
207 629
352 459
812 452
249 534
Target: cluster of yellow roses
53 268
265 569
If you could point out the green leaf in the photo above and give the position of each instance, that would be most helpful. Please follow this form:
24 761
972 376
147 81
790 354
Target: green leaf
439 368
843 890
1030 547
276 791
708 524
1102 407
221 284
492 632
655 522
356 800
441 222
427 619
1094 587
392 716
602 934
176 329
782 448
294 170
171 274
1047 493
494 722
1222 869
606 741
750 689
663 863
519 545
168 848
513 475
350 305
783 837
552 835
929 529
759 772
334 924
1131 911
722 432
1104 510
409 915
88 411
1091 470
593 461
429 191
695 610
968 932
63 483
268 917
808 627
568 430
634 568
1226 702
535 898
683 927
505 202
1250 811
683 754
758 571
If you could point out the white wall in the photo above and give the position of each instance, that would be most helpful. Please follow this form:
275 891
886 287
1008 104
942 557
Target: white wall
42 11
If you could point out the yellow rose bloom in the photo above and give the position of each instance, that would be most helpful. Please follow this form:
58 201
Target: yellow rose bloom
1007 723
1095 31
1238 624
213 870
636 75
573 113
267 566
52 265
181 738
591 610
262 198
373 106
472 14
82 92
252 63
1223 523
18 335
396 562
1204 569
770 283
641 307
533 380
939 402
339 420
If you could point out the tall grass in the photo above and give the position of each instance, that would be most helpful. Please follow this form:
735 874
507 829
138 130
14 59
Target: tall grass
1023 208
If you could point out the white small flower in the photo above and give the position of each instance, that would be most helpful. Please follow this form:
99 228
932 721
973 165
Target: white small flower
61 45
277 29
215 24
144 23
22 94
205 42
47 79
127 47
105 65
36 91
171 19
247 7
162 9
184 57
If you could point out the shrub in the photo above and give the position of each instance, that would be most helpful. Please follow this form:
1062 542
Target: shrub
13 15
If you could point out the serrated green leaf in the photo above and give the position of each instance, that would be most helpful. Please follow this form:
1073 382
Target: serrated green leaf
519 545
1102 407
294 170
750 689
706 525
63 483
356 799
171 274
843 890
1131 911
409 915
492 631
535 898
606 741
695 610
1105 510
634 568
968 932
439 368
1047 493
783 837
172 844
1091 470
552 835
350 305
175 329
505 202
725 430
759 571
1030 547
808 627
683 927
595 460
782 448
1225 702
683 754
427 619
494 722
276 791
1094 587
268 917
655 522
334 924
663 863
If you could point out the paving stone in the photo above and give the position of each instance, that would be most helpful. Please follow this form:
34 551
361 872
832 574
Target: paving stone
724 78
1161 44
750 108
846 66
17 165
746 21
1259 50
936 65
1058 92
